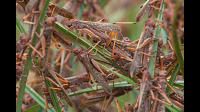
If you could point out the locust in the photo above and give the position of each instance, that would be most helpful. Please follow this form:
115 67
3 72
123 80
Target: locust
61 11
80 79
144 92
161 89
122 60
145 38
144 9
91 67
31 7
94 28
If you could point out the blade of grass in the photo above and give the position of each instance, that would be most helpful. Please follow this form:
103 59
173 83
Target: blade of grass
37 97
32 108
19 27
118 84
28 61
155 44
178 85
176 41
173 108
172 78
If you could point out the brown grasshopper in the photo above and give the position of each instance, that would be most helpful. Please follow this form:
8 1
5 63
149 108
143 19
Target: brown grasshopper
144 9
56 80
94 28
144 92
61 11
145 38
121 59
79 79
45 38
31 8
104 96
177 97
161 89
47 97
91 67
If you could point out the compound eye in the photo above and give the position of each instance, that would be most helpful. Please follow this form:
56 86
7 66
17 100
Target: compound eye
115 53
45 22
129 104
148 20
77 49
53 21
20 36
158 74
165 72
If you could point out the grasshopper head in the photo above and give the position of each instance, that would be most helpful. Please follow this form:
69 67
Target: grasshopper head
115 54
128 107
77 50
149 22
23 38
49 21
162 73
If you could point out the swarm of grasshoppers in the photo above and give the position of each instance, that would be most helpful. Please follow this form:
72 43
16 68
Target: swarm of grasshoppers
82 58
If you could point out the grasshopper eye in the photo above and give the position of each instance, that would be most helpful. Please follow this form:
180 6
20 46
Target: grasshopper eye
148 20
165 72
45 22
129 104
20 36
53 21
158 74
115 53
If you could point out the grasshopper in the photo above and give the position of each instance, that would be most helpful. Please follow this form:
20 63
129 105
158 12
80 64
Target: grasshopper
121 59
94 28
177 97
144 91
79 79
161 89
31 8
61 11
55 79
91 67
144 9
145 38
